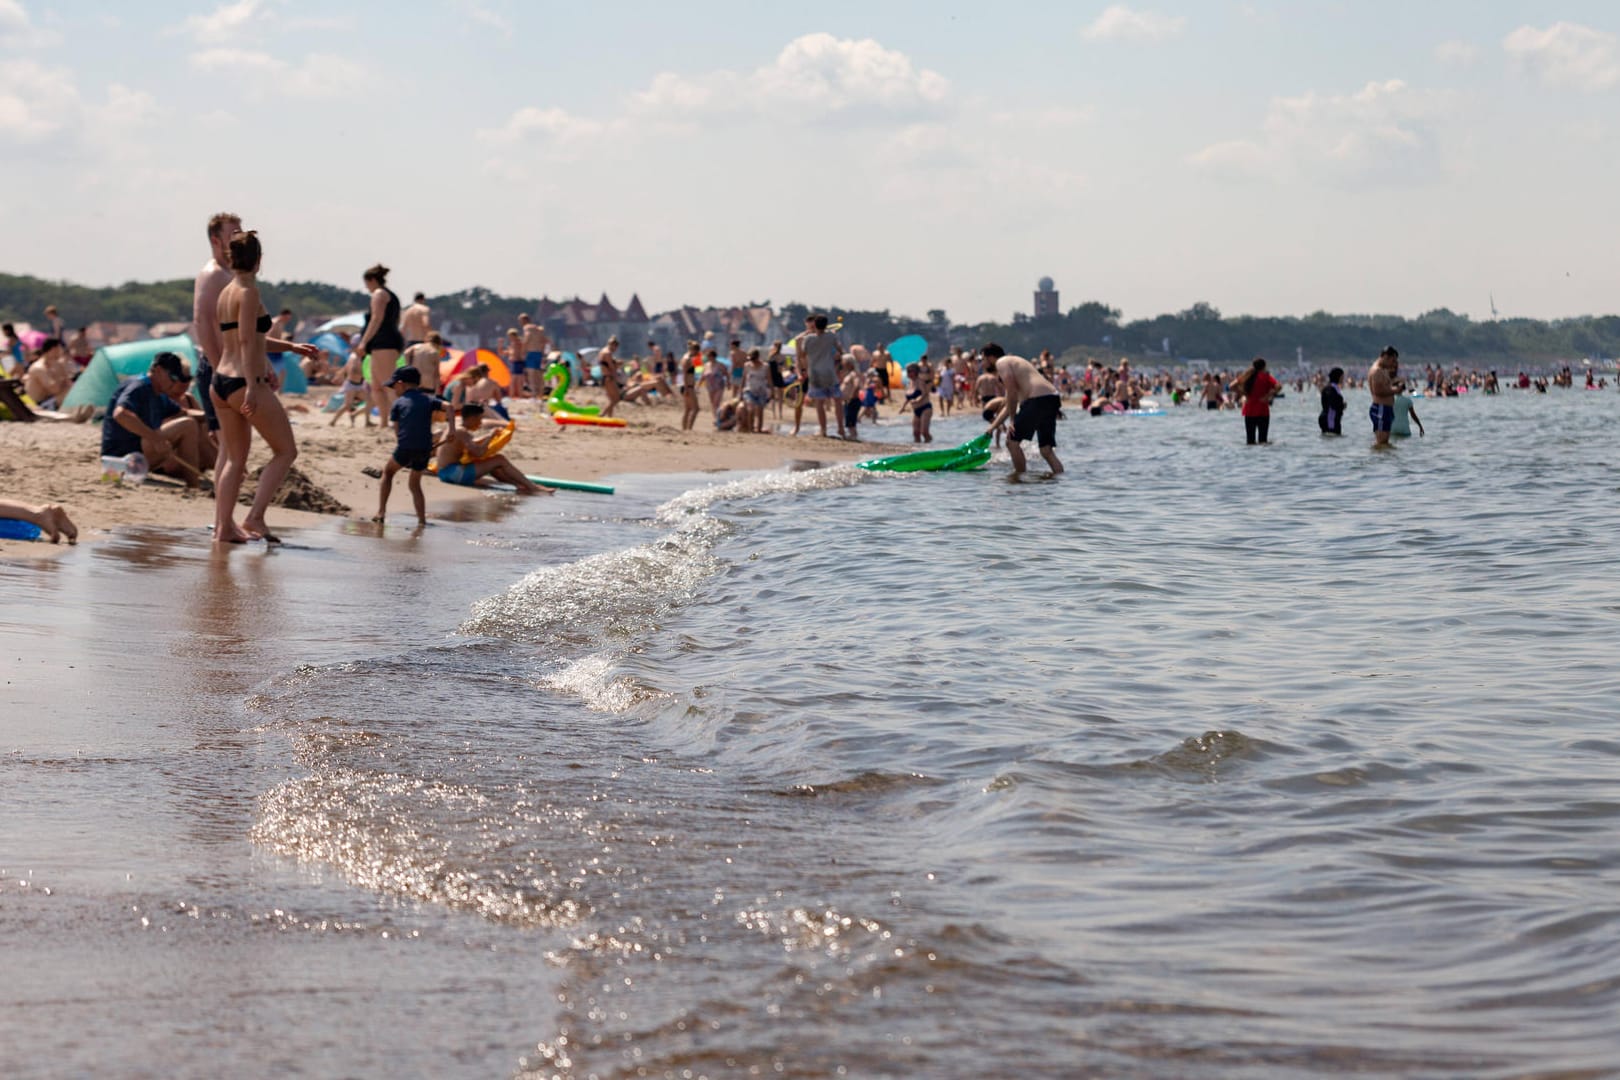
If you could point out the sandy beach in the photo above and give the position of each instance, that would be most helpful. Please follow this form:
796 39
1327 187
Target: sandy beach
57 462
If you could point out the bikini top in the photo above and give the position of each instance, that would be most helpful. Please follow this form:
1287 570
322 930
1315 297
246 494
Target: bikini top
262 326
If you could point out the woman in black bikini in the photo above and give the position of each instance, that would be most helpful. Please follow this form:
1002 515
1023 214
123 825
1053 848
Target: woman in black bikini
244 401
381 338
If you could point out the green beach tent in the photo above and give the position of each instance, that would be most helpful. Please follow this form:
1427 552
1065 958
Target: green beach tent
112 364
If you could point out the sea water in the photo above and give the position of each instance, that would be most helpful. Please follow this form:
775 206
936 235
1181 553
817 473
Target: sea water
1203 759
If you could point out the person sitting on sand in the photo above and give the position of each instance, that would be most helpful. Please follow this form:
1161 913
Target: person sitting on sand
464 441
412 417
50 376
477 388
729 414
50 518
147 416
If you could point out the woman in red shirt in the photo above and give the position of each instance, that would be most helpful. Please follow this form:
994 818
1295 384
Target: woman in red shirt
1257 387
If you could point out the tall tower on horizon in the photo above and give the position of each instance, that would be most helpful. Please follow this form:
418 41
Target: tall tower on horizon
1046 299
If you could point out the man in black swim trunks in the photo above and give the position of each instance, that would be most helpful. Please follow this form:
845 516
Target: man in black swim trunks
1031 401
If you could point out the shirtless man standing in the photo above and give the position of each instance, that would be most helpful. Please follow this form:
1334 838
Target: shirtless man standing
1381 384
415 322
424 357
211 281
1031 401
536 343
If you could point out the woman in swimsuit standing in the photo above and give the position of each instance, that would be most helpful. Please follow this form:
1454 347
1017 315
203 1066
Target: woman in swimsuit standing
381 338
608 358
245 402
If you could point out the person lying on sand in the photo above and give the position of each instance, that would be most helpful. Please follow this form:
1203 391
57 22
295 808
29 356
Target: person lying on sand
52 519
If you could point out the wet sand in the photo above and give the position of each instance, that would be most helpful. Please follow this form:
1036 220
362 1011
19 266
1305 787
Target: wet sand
59 462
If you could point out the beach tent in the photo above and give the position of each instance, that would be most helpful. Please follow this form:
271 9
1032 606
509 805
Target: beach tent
291 371
333 345
472 357
112 364
352 321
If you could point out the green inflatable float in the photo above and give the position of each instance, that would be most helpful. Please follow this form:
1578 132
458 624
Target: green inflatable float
563 378
973 454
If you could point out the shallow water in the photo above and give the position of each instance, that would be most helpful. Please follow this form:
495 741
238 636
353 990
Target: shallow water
1291 760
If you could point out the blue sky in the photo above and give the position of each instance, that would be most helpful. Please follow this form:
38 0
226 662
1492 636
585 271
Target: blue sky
1265 157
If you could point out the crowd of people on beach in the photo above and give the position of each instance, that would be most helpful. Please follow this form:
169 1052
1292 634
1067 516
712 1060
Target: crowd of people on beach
187 425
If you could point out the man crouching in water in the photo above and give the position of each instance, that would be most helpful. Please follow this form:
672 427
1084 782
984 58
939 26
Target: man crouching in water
1032 402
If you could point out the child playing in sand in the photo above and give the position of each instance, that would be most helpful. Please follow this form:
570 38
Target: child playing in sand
356 392
412 417
465 441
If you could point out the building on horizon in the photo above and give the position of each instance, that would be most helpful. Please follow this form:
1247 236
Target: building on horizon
1046 299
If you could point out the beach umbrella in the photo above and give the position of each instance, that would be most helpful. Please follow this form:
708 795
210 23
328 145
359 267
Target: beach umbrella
32 339
344 322
908 349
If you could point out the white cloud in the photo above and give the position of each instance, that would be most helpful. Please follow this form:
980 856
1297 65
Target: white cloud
1456 53
226 23
815 77
1120 23
318 75
36 102
483 16
555 126
18 32
1386 132
1567 54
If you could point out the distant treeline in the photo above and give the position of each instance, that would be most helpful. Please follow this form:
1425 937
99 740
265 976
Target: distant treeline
1199 332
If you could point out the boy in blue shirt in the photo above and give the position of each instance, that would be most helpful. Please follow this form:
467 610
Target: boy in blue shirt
412 419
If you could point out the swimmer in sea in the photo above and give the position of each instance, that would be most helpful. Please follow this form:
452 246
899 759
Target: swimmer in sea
1030 401
1381 384
1331 419
1403 411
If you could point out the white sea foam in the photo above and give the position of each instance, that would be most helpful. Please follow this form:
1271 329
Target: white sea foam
594 680
619 594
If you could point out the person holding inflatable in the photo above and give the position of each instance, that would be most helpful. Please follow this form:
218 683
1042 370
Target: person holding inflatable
466 458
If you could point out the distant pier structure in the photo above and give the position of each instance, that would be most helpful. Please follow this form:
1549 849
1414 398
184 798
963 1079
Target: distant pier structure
1046 299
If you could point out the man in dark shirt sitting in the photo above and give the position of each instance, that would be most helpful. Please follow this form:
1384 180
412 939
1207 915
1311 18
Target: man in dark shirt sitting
147 416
